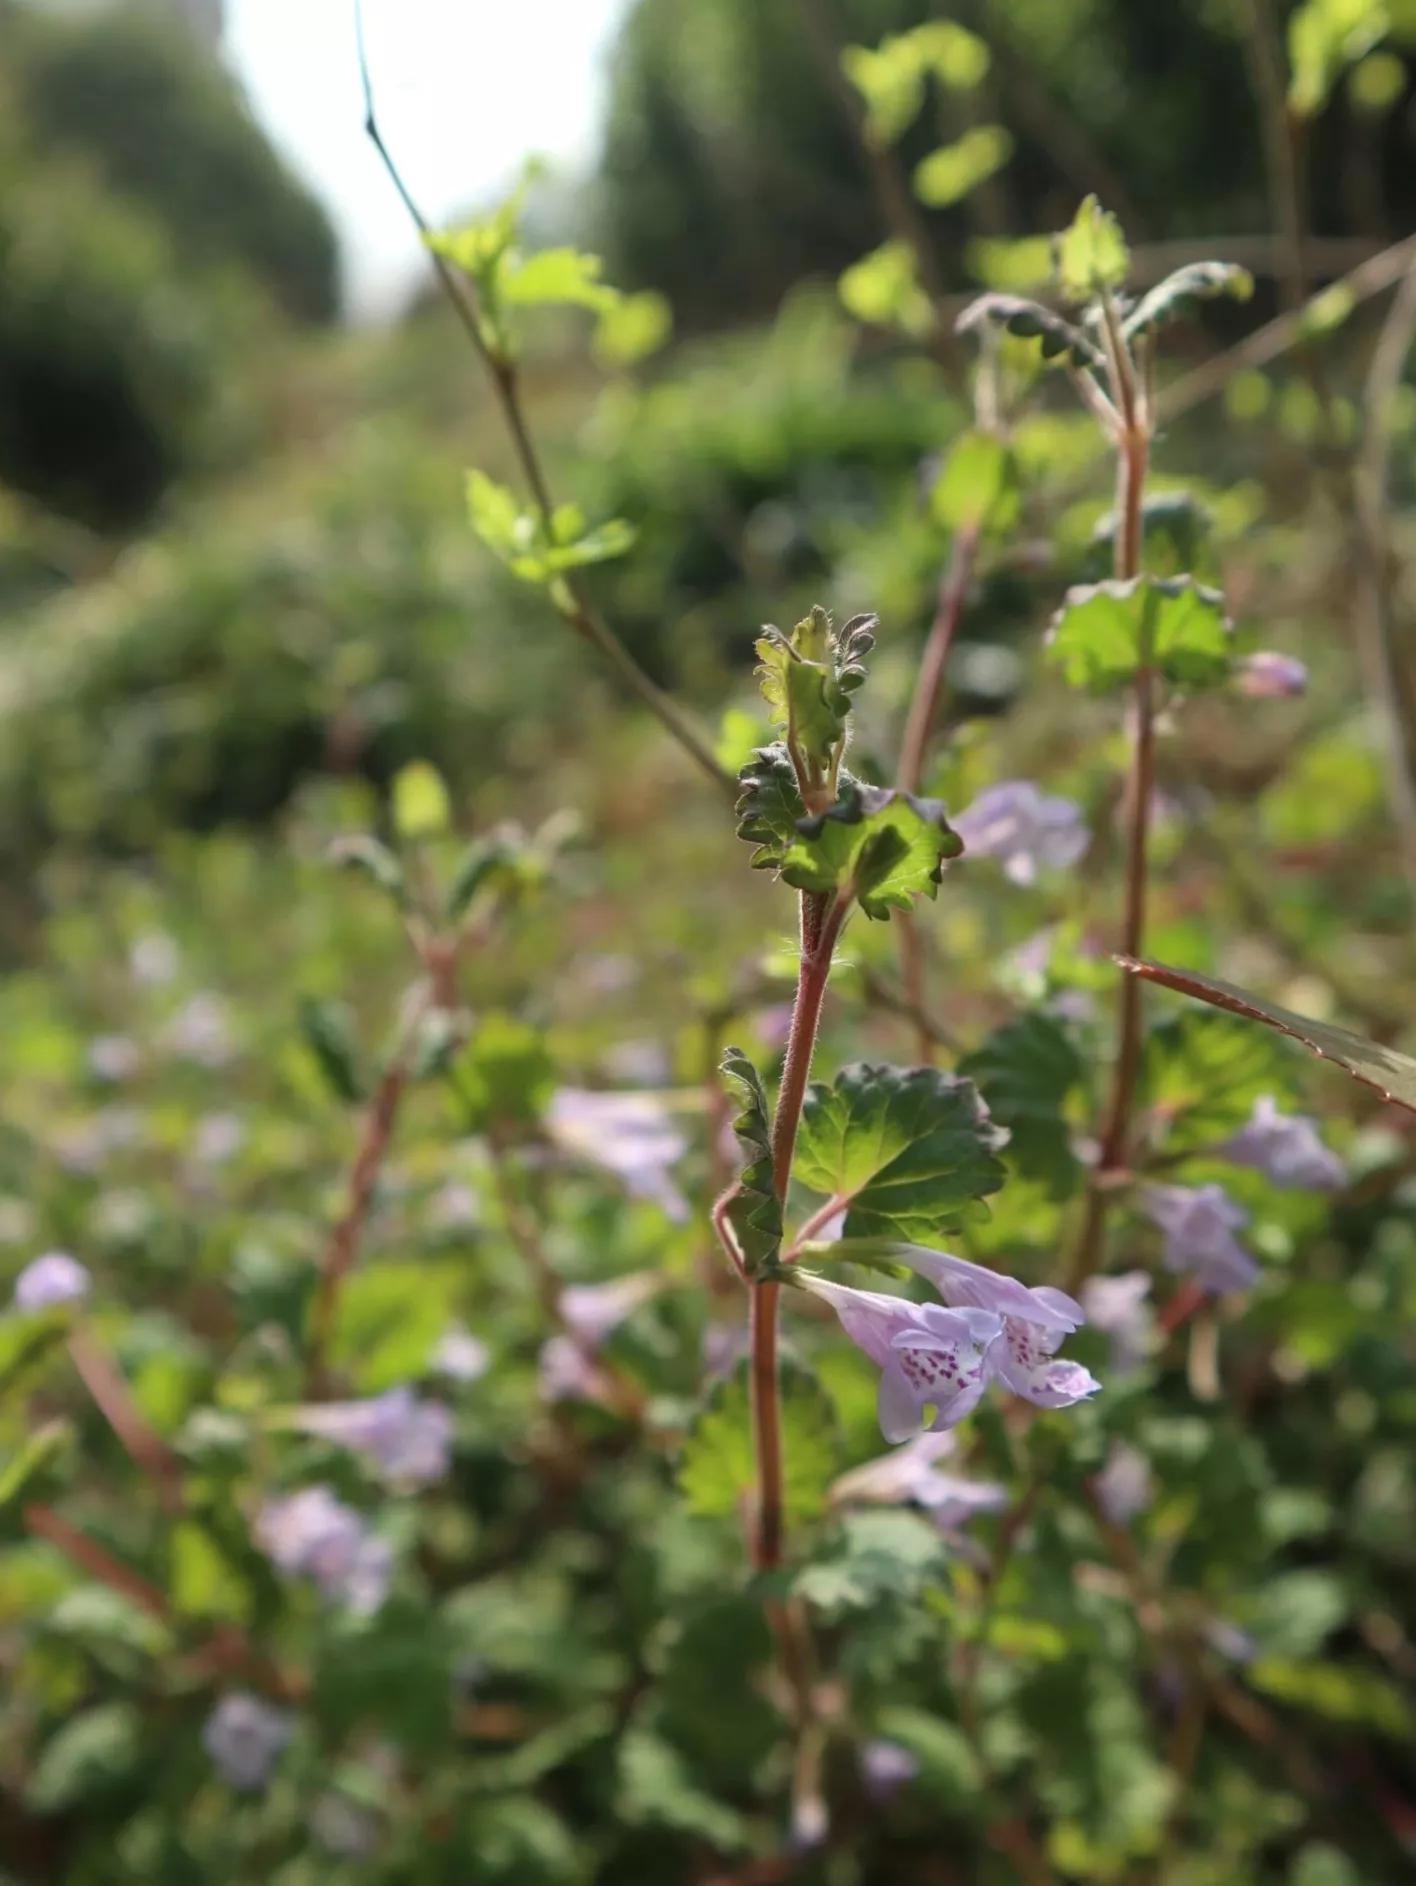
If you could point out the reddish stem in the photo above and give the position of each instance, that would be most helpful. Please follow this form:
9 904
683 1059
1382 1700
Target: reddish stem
821 919
114 1400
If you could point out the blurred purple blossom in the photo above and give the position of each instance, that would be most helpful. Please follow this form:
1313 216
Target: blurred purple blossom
407 1438
630 1135
886 1767
1199 1222
201 1031
1028 830
911 1475
114 1058
1117 1307
219 1137
312 1534
461 1356
774 1024
50 1280
245 1737
1270 676
1123 1487
724 1346
591 1313
1286 1148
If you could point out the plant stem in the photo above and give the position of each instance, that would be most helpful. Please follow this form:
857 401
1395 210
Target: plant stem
113 1398
1132 460
580 613
821 919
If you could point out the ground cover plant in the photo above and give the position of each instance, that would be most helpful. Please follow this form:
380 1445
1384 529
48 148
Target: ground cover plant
754 1283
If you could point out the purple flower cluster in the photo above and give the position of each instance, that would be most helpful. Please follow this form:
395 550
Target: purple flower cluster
929 1356
406 1439
1199 1222
311 1534
50 1280
630 1135
1028 830
590 1313
1286 1148
245 1738
1270 676
911 1475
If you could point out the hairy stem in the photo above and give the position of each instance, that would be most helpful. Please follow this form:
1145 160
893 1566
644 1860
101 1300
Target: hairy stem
579 611
821 919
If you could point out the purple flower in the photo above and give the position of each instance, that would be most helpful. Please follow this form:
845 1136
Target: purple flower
245 1738
311 1534
1027 829
1286 1148
1269 676
461 1356
50 1280
1035 1319
886 1767
928 1357
630 1135
1117 1307
201 1031
1199 1222
945 1358
591 1313
113 1058
911 1474
1123 1487
407 1439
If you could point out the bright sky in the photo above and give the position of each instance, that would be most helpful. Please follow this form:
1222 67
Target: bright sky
465 90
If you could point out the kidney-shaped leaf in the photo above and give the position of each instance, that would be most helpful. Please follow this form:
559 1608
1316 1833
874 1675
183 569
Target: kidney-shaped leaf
1105 632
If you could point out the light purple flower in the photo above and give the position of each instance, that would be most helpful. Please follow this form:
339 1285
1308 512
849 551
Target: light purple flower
1035 1319
911 1475
1286 1148
1123 1487
887 1767
219 1137
1270 676
592 1312
50 1280
1199 1222
201 1031
1117 1307
311 1534
113 1058
408 1439
461 1356
245 1737
630 1135
1028 830
724 1346
945 1358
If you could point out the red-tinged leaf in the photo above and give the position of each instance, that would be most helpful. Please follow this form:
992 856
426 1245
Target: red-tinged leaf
1392 1075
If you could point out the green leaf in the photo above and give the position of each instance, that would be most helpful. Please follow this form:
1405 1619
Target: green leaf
486 862
1092 256
632 327
27 1337
883 846
202 1580
421 807
505 1074
521 540
657 1789
92 1754
1343 1693
948 1765
362 852
28 1471
756 1212
328 1029
1393 1075
390 1319
495 515
718 1467
890 79
874 1558
768 806
1025 1072
883 289
1175 537
1030 320
1324 38
978 486
808 677
1105 633
1179 294
948 174
912 1149
1011 263
565 276
1202 1073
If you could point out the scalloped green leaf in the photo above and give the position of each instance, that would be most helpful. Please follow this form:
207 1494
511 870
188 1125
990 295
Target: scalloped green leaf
1202 1073
1180 294
1176 534
1104 633
756 1212
807 678
1092 256
913 1149
1391 1074
563 276
718 1467
1025 1072
360 851
1031 321
885 846
768 806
